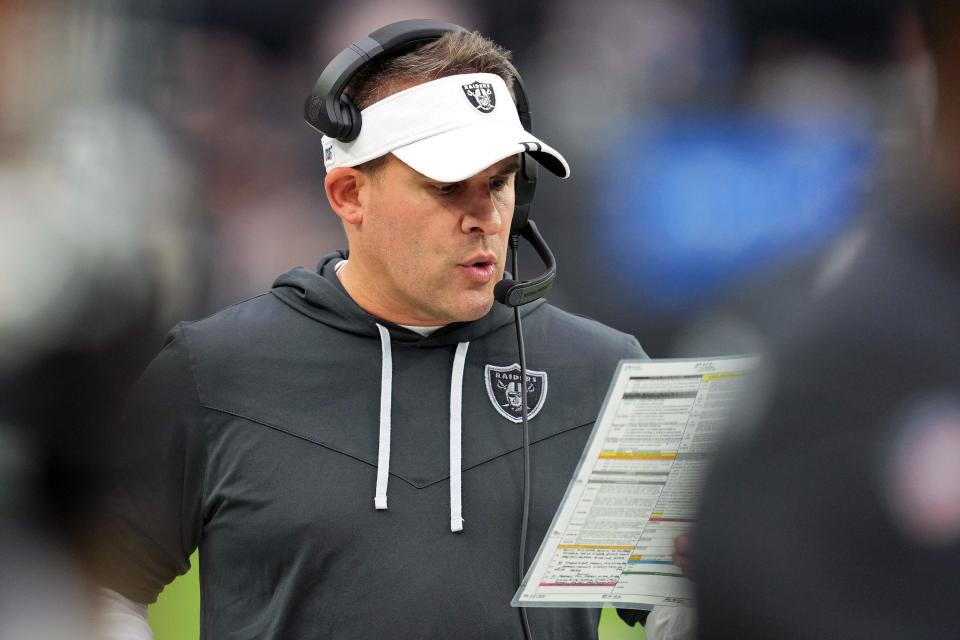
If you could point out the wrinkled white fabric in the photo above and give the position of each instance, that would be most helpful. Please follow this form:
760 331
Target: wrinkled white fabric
120 618
671 623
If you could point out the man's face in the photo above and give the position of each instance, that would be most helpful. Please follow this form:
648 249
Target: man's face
432 252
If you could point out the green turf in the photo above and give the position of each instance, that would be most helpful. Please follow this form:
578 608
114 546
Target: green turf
176 615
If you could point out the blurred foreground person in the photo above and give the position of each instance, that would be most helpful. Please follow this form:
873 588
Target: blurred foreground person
838 515
90 234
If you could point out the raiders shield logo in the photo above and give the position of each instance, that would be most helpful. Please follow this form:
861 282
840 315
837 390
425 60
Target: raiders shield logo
481 96
506 393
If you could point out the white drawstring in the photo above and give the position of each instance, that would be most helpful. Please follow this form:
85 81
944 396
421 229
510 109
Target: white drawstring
456 411
456 422
386 385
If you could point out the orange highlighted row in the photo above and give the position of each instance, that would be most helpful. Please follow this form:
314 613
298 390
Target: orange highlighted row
612 455
594 546
707 377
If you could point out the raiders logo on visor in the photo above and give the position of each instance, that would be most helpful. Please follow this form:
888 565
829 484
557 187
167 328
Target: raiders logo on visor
481 96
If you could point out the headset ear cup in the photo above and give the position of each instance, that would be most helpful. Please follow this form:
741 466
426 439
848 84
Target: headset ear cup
350 120
311 110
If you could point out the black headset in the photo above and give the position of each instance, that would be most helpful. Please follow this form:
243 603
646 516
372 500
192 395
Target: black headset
329 110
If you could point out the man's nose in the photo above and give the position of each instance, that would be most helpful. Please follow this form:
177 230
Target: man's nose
485 213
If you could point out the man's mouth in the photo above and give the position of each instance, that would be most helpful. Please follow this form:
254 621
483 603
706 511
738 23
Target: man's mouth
480 269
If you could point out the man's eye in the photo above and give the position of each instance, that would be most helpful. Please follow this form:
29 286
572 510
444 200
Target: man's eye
446 189
498 184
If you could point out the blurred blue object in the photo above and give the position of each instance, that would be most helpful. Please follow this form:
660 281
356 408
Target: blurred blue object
691 205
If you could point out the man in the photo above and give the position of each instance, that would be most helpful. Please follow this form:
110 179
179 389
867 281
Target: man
838 516
343 449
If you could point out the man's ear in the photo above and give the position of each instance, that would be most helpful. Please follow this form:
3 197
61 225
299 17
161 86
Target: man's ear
345 190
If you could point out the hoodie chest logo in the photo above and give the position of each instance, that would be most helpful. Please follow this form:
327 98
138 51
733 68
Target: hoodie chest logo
505 389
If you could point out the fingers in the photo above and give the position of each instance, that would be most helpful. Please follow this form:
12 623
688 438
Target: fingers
683 553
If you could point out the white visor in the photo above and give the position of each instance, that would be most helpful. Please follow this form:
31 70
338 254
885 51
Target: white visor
448 129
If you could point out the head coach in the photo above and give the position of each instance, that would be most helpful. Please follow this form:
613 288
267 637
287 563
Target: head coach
346 450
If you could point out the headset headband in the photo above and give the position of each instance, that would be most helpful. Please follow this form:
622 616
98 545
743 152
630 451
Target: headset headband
330 111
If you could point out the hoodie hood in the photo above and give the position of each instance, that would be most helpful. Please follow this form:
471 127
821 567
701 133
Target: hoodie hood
320 295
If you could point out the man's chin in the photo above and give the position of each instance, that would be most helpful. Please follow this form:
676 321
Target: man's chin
473 309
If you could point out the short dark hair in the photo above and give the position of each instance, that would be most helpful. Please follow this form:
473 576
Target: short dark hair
451 54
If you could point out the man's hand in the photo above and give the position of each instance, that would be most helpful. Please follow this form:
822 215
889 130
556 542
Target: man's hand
683 554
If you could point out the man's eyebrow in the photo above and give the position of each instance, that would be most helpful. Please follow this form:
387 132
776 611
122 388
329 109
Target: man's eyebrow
512 167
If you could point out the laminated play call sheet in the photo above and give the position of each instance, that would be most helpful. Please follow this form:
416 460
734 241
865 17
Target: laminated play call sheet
636 486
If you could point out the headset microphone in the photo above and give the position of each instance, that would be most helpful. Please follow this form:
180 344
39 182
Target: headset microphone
515 294
510 292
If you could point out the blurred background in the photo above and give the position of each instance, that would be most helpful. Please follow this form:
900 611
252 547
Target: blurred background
154 166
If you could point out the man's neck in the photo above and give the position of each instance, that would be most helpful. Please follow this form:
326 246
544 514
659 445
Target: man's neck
423 329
